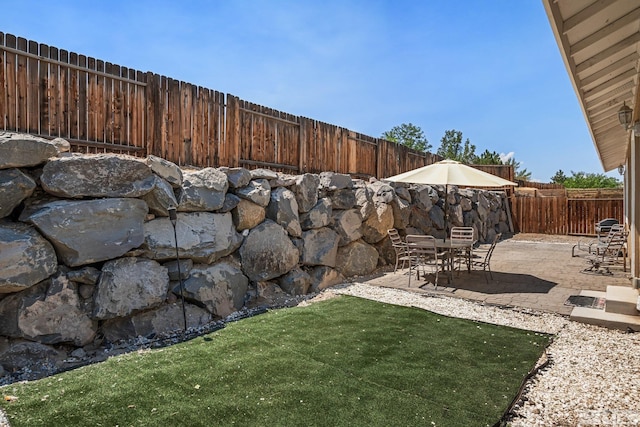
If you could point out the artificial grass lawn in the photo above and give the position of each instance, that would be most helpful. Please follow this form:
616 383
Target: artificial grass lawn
344 361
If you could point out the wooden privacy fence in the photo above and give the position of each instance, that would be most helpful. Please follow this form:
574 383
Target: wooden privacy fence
563 215
103 107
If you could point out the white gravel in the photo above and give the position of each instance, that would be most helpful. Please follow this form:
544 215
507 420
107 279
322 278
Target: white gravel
593 378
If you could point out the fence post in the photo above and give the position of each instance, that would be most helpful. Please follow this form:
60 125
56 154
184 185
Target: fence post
233 132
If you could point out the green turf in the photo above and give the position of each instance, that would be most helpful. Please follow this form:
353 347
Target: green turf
345 361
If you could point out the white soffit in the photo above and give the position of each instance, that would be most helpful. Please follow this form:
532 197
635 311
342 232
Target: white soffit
600 44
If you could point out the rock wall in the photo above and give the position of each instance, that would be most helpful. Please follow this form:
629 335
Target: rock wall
88 253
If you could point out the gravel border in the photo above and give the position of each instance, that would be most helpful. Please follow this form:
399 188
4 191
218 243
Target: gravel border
593 374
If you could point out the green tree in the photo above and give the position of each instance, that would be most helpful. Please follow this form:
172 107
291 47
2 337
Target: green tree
451 147
519 173
559 177
488 158
408 134
590 180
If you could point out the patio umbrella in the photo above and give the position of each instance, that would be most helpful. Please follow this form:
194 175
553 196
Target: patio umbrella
450 172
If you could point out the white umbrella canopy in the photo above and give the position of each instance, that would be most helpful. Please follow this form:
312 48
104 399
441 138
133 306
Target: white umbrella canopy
450 172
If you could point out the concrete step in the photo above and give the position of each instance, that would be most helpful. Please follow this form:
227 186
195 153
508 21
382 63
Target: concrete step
604 318
622 300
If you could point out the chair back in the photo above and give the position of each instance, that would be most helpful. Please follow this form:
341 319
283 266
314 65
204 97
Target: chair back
422 245
394 236
462 234
496 239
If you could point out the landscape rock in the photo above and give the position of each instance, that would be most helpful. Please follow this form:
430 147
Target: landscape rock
110 227
335 181
97 175
267 252
85 275
28 354
364 201
26 258
319 216
238 177
341 199
306 190
230 202
295 282
401 213
257 174
160 198
258 191
57 317
376 227
247 215
320 247
381 192
202 190
129 284
166 170
348 225
179 270
203 237
15 186
219 287
323 277
21 150
162 320
356 259
283 209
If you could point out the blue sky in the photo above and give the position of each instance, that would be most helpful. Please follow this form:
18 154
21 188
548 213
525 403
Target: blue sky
488 68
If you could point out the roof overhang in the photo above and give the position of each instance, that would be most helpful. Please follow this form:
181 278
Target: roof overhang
600 44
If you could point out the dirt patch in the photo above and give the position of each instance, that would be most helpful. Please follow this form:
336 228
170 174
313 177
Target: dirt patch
323 296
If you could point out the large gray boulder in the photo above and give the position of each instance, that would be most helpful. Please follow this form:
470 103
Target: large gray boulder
356 259
110 228
26 257
348 225
129 284
166 170
97 175
20 150
15 186
162 320
335 181
238 177
160 198
320 247
319 216
220 287
257 191
203 237
283 209
423 196
202 190
56 316
267 252
306 189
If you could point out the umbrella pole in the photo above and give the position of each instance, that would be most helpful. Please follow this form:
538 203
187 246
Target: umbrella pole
444 205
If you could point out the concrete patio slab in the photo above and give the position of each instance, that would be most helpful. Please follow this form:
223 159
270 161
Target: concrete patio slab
538 274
